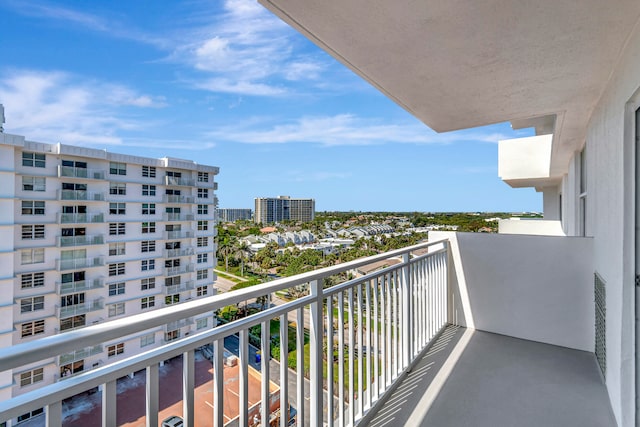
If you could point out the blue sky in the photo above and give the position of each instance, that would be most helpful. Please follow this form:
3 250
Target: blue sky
228 84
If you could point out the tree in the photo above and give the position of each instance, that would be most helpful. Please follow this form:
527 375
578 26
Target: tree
242 252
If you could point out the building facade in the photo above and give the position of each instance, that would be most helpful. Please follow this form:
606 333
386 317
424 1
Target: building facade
284 208
88 236
231 215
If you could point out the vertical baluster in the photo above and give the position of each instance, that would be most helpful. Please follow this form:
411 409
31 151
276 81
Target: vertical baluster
54 414
188 385
330 412
341 409
265 350
152 395
352 395
284 374
394 321
359 336
432 301
316 332
243 379
300 363
376 353
109 399
218 383
367 376
389 322
381 371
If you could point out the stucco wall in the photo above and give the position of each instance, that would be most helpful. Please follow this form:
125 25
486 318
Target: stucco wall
538 288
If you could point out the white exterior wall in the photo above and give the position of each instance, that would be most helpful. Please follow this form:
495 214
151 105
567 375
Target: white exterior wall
11 243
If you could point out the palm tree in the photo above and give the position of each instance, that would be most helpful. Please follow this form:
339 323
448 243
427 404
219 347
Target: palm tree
226 248
242 252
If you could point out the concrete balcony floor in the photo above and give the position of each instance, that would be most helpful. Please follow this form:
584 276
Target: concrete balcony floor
474 378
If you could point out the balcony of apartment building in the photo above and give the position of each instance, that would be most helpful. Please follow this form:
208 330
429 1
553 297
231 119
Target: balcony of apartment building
76 308
83 240
179 234
81 195
185 286
179 181
177 270
78 263
80 172
178 252
65 288
80 218
178 216
469 329
178 199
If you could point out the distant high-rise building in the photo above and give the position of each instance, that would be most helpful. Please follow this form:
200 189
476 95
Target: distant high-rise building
231 214
284 208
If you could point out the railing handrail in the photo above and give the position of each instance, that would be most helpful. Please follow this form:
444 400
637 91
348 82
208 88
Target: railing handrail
29 352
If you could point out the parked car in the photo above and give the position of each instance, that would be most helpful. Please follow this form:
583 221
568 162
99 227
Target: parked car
172 421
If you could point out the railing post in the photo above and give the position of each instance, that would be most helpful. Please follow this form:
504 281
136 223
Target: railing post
407 324
152 395
315 336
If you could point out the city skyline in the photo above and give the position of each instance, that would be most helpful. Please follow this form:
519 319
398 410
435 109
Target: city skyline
228 84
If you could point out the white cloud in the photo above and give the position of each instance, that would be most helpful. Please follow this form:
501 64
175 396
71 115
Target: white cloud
59 107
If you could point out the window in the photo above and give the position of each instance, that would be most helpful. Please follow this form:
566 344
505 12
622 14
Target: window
148 190
72 322
146 340
203 193
116 289
32 328
70 232
116 168
26 416
148 227
172 192
202 323
32 280
33 183
203 177
171 210
30 232
71 368
31 304
172 335
203 209
75 277
201 291
148 209
116 349
148 246
35 160
31 377
203 258
147 302
172 299
148 264
116 188
116 309
172 281
117 208
203 225
148 283
73 299
116 248
172 263
117 228
32 256
149 171
32 207
202 274
172 245
202 242
116 269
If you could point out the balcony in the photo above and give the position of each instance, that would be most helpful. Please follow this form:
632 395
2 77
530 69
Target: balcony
174 253
79 354
67 241
171 198
79 218
77 309
471 329
81 195
178 217
182 287
79 263
173 181
178 234
73 172
79 286
178 324
182 269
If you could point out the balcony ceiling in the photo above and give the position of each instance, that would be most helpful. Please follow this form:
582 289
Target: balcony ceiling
464 63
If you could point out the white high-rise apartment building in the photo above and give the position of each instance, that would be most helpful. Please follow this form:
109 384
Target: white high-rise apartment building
88 236
284 208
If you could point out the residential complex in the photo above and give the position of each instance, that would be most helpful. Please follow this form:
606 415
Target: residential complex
283 208
231 215
88 236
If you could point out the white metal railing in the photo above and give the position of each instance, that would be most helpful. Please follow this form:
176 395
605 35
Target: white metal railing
81 285
80 195
66 241
377 323
171 180
80 354
172 326
73 172
187 216
172 198
79 218
181 269
173 253
182 287
77 263
178 234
